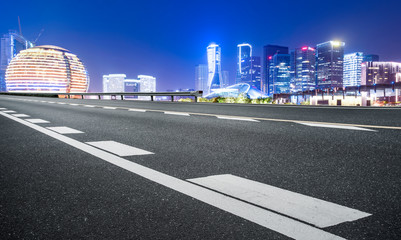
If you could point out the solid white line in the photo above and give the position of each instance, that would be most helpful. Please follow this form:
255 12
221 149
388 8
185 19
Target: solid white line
9 111
337 126
136 110
308 209
36 120
265 218
112 108
238 119
177 113
20 115
119 149
64 130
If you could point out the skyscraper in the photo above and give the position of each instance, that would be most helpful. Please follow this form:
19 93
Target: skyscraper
268 52
225 79
329 64
352 69
11 44
244 55
146 84
114 83
303 69
255 72
214 67
280 70
201 77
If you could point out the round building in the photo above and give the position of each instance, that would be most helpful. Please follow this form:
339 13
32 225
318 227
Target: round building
46 69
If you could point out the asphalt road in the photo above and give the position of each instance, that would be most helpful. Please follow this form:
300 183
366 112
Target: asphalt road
64 186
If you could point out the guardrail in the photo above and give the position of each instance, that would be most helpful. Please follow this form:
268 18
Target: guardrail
194 94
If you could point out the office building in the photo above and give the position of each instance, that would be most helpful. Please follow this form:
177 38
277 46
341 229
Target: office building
225 76
280 71
303 69
244 55
352 69
329 64
268 52
375 73
46 69
146 84
201 77
11 44
214 67
114 83
255 72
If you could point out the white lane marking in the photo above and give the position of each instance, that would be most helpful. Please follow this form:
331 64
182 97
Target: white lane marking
50 102
62 103
74 104
89 106
111 108
3 108
64 130
37 120
308 209
263 217
136 110
237 118
20 115
9 111
119 149
43 101
337 126
177 113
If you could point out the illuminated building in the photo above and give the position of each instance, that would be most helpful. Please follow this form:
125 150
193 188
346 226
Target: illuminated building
46 69
225 79
214 67
380 73
352 69
201 77
113 83
303 69
267 77
237 89
146 84
11 44
329 64
280 70
244 55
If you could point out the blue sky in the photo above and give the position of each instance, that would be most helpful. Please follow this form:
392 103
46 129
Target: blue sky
167 39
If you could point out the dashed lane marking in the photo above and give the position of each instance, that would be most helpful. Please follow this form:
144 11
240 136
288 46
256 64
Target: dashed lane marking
276 222
89 106
237 118
64 130
307 209
136 110
119 149
21 115
177 113
3 108
337 126
111 108
9 111
37 120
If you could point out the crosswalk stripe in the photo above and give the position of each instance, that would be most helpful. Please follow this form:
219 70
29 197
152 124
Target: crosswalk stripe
307 209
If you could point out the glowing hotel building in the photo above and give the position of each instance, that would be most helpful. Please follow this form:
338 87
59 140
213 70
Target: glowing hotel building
46 69
352 69
214 67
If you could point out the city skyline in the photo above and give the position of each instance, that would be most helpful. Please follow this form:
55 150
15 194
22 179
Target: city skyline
121 44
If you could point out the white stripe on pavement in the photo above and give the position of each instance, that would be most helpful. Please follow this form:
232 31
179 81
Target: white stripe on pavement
64 130
337 126
74 104
62 103
308 209
89 106
260 216
177 113
119 149
238 119
37 120
9 111
20 115
3 108
111 108
136 110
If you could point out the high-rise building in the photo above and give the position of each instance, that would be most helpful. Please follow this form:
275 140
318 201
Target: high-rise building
380 73
201 77
255 72
268 52
329 64
146 84
352 69
11 44
303 69
214 67
244 55
280 70
370 58
225 79
114 83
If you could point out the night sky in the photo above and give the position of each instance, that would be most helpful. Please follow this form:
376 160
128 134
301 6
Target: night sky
167 39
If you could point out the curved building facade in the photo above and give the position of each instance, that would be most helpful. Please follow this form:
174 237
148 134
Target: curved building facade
214 67
236 90
46 69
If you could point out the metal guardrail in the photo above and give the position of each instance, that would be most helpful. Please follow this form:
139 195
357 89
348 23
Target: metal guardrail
195 94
